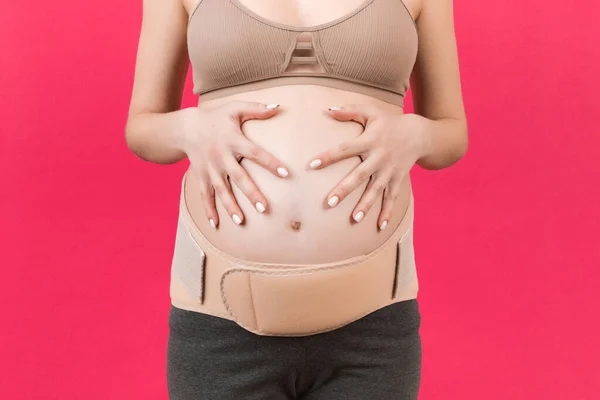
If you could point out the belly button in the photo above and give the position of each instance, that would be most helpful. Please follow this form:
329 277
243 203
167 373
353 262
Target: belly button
295 225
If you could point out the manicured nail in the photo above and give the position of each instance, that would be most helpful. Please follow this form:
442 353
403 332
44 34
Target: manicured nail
359 216
212 223
282 172
334 108
236 218
315 163
260 207
383 225
333 201
270 106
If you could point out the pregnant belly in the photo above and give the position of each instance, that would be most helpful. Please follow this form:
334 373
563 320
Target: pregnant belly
298 226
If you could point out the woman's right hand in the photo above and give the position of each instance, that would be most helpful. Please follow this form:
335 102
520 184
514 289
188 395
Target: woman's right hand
214 143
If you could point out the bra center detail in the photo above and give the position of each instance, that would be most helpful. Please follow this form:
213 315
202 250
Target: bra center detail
303 55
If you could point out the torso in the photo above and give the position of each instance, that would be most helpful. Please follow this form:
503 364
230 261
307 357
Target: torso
299 226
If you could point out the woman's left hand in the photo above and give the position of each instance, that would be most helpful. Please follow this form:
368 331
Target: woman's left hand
389 146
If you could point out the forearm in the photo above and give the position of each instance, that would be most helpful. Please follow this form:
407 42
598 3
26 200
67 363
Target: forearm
156 137
445 142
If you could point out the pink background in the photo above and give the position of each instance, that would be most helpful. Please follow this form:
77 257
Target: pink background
506 240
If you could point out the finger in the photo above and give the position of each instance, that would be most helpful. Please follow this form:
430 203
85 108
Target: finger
374 189
350 148
247 110
355 178
352 112
225 194
258 155
390 195
207 195
243 181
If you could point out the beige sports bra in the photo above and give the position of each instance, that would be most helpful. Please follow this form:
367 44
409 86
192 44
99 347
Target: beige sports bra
371 50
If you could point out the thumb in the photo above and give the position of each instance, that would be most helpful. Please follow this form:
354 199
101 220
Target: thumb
351 112
254 110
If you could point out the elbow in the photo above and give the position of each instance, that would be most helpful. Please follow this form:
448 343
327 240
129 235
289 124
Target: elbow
463 145
132 139
459 149
129 141
460 143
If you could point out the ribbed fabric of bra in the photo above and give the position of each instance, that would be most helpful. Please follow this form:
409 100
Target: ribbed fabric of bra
371 50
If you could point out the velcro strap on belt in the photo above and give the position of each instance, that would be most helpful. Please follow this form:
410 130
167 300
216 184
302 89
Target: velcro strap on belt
306 301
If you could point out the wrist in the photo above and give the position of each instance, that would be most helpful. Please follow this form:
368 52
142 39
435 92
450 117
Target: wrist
186 120
422 134
443 142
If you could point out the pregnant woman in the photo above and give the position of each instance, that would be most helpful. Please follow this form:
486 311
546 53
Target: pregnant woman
293 274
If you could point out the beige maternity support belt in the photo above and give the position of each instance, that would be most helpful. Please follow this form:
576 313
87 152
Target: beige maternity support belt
290 299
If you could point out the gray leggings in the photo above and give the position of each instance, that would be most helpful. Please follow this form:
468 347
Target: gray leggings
375 357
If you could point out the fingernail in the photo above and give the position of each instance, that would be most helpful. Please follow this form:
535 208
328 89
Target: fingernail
383 225
270 106
333 201
315 163
359 216
260 207
282 172
335 108
212 223
236 218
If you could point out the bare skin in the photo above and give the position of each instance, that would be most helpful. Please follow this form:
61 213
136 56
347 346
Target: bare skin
366 149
